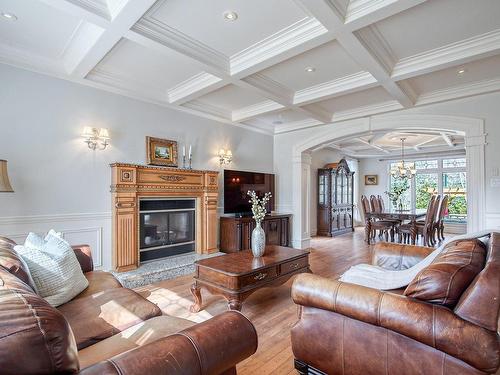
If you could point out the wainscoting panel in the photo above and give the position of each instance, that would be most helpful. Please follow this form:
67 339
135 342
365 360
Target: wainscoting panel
93 229
492 221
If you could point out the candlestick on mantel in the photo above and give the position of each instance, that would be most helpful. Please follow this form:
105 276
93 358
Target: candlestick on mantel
190 153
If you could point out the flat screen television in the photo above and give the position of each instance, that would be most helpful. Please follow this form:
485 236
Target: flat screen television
236 186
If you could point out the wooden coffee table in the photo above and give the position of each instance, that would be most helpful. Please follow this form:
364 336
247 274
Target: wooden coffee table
237 275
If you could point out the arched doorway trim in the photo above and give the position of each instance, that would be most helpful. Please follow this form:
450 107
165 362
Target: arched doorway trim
471 128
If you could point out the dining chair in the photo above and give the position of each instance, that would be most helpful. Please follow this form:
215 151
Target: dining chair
384 227
443 208
423 229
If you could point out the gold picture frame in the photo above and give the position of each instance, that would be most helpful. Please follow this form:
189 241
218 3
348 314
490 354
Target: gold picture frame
161 152
371 179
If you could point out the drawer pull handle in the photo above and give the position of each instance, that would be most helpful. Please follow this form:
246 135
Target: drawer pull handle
294 266
260 276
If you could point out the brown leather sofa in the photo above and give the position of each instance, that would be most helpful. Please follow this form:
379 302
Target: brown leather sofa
350 329
108 329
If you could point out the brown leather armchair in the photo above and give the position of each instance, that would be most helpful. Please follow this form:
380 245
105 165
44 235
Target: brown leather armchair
349 329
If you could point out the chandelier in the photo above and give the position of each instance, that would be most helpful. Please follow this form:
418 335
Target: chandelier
401 169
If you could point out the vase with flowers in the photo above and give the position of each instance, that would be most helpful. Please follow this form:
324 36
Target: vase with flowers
259 212
397 190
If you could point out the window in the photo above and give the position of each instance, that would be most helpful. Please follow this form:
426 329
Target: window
443 176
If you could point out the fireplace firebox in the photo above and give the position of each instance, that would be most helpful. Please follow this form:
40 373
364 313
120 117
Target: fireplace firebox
166 227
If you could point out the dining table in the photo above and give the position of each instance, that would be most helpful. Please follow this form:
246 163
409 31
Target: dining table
411 215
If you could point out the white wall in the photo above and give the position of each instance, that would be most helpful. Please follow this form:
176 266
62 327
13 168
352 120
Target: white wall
482 107
60 183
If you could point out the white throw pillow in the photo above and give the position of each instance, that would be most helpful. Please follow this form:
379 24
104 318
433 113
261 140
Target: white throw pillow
54 267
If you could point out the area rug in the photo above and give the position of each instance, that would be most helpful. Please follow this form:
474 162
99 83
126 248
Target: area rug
159 270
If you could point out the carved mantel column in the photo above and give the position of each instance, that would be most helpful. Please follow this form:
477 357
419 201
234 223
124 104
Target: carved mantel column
131 182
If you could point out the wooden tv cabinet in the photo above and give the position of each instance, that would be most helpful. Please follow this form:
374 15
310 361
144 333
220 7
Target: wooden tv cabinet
235 232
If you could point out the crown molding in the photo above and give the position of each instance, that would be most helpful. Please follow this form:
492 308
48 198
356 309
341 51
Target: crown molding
120 81
196 86
290 37
178 41
83 39
20 58
296 125
277 90
208 108
392 105
335 87
449 55
248 112
462 91
359 8
95 6
373 40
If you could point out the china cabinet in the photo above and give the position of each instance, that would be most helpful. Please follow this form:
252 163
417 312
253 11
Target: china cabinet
335 199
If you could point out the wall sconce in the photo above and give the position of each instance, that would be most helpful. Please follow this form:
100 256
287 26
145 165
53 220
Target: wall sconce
95 137
225 156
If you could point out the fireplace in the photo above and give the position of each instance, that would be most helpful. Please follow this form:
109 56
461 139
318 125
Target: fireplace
161 211
166 227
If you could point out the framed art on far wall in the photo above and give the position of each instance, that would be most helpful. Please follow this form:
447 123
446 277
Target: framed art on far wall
161 152
371 179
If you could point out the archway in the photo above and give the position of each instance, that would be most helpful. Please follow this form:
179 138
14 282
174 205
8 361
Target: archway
471 128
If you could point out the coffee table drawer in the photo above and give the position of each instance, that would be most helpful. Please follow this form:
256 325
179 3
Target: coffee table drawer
294 265
258 277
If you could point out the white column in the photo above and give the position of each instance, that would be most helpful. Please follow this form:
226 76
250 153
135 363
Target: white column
474 149
301 235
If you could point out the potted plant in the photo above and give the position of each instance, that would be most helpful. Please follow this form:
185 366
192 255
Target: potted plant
259 212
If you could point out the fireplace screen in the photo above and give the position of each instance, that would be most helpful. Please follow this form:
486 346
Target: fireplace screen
167 227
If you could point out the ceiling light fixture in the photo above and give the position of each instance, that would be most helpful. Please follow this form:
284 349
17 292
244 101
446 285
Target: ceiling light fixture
9 16
461 71
310 69
230 15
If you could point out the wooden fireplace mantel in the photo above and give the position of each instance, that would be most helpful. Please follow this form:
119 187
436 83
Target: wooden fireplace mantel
131 182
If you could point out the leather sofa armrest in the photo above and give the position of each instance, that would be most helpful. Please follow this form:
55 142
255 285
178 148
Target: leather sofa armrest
393 256
212 347
84 255
432 325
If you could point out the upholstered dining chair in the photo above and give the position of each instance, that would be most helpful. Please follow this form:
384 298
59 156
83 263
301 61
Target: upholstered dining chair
383 226
423 229
439 224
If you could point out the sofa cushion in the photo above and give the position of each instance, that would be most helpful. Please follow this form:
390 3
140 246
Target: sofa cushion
54 268
480 303
447 277
34 337
99 281
138 335
13 262
102 315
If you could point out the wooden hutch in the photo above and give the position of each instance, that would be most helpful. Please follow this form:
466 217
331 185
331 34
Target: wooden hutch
335 199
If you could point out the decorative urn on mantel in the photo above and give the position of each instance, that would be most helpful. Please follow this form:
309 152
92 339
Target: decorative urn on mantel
133 182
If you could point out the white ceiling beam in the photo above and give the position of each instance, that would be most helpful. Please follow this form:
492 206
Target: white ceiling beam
462 52
251 111
130 13
448 140
419 145
373 145
194 87
101 20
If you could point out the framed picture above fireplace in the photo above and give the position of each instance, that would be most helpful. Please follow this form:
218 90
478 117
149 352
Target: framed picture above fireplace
161 152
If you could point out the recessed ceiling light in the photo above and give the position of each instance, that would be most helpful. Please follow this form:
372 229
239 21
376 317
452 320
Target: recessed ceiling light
461 71
310 69
230 15
9 16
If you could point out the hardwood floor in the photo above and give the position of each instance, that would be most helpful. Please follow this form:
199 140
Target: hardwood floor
271 310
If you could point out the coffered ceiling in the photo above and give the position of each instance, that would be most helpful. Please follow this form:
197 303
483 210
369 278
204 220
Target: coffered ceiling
271 66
